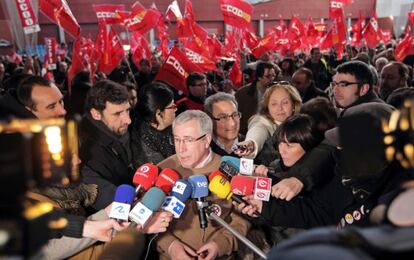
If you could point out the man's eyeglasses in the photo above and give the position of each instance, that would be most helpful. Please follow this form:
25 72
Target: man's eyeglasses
172 106
224 118
343 84
185 140
200 85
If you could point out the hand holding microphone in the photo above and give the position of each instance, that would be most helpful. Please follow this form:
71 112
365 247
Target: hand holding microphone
144 209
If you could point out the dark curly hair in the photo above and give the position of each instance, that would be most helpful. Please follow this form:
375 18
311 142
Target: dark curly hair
106 91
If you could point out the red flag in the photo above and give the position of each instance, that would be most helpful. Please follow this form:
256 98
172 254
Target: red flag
411 17
50 57
28 18
237 13
215 47
144 21
203 62
59 12
339 28
386 36
404 48
372 32
163 37
357 31
81 57
113 52
235 74
296 29
250 39
108 13
176 69
337 4
140 49
281 29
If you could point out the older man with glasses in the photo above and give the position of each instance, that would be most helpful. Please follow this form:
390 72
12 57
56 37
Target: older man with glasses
222 108
192 134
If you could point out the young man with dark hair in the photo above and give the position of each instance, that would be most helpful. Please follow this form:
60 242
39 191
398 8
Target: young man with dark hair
108 155
35 97
352 85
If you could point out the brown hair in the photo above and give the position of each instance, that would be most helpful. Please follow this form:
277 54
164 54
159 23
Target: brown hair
292 91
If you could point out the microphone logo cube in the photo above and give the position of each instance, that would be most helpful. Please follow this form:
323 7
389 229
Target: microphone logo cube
246 166
174 206
202 184
140 214
179 187
262 188
120 211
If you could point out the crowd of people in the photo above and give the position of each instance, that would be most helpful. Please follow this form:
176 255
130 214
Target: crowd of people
314 121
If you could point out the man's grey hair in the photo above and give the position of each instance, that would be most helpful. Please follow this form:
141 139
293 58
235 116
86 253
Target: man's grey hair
220 96
206 125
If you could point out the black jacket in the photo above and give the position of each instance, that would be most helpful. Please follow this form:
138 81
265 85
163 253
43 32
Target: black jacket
334 203
313 92
107 160
10 107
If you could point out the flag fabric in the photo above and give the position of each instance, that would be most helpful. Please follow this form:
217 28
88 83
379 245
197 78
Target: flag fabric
143 20
113 52
175 70
81 57
163 37
281 29
296 29
357 31
235 74
108 13
59 12
237 13
411 17
372 33
337 4
203 62
404 48
140 49
339 28
27 16
386 36
50 56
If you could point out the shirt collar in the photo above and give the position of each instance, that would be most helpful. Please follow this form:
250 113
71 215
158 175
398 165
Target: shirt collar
206 160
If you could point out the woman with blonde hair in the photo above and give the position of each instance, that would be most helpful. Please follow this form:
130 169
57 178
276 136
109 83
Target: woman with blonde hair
280 101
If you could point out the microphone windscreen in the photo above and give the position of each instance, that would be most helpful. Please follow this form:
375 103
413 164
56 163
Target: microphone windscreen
232 161
145 175
216 173
182 190
221 187
153 198
242 185
124 194
200 186
166 180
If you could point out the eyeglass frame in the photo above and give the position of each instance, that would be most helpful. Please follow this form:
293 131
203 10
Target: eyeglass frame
343 84
188 141
223 118
281 82
172 106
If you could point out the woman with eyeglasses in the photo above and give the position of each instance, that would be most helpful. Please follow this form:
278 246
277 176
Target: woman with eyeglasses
279 102
155 113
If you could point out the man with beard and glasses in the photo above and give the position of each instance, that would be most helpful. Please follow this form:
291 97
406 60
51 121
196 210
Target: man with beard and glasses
108 155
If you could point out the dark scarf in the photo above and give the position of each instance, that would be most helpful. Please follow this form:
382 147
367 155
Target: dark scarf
157 140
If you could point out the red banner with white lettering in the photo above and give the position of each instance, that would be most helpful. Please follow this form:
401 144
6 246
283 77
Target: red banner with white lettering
108 13
140 49
28 18
59 12
50 57
143 20
372 32
202 61
237 13
113 52
176 69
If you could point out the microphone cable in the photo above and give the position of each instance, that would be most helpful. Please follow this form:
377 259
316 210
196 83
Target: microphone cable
149 245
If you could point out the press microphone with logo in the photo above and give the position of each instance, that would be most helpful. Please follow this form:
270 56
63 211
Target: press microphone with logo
222 189
124 196
242 185
145 177
231 166
144 209
199 184
180 193
166 180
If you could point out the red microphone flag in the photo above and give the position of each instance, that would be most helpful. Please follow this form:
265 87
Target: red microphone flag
166 180
145 176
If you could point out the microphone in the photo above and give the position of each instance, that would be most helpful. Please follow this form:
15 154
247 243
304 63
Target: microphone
151 202
180 193
242 185
145 177
124 196
217 173
166 180
263 188
199 184
222 189
242 165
